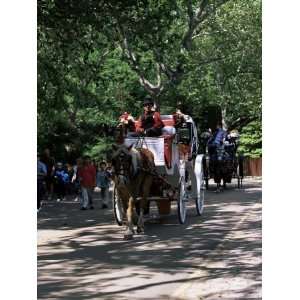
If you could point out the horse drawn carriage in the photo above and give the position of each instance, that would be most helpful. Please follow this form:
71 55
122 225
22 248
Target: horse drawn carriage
176 175
221 162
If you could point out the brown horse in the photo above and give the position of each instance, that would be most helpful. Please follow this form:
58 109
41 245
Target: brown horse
133 176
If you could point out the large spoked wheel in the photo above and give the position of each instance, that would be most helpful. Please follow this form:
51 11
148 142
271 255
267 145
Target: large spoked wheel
200 198
238 176
117 208
240 173
206 183
200 170
181 202
205 171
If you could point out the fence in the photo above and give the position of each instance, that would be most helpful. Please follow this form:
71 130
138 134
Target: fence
253 166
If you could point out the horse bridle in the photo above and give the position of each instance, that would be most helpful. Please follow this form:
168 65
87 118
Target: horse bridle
123 167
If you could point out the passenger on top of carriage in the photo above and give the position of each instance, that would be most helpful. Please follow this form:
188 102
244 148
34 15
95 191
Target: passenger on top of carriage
218 137
128 120
150 122
179 118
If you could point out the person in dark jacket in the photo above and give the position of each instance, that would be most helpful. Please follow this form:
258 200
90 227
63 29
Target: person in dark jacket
218 137
49 161
150 122
61 180
41 175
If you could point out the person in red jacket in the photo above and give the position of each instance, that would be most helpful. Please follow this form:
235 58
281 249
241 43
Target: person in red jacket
87 178
150 122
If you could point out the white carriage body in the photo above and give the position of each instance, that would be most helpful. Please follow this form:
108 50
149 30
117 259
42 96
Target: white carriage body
156 146
178 167
174 171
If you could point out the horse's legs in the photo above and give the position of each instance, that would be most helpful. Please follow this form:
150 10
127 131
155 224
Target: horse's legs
144 202
129 230
140 224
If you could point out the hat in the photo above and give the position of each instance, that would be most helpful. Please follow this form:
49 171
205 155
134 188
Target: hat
148 100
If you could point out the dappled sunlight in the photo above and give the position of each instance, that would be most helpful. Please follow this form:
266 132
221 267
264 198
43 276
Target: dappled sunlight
93 261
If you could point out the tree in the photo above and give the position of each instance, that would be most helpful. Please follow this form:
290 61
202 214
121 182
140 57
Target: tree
99 58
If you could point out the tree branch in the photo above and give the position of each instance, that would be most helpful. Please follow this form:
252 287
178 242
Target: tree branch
131 57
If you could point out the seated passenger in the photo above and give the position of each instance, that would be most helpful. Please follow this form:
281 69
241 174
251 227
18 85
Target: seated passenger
126 122
218 137
215 143
179 118
150 122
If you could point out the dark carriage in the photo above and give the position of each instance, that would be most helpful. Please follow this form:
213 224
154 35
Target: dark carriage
222 162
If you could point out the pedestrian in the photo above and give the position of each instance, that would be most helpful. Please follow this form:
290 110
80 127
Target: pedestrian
87 177
69 185
49 161
75 179
41 175
103 182
61 180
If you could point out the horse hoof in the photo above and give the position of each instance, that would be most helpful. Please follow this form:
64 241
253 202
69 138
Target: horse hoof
128 237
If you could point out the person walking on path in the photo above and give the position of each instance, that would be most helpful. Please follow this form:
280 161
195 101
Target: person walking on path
49 161
61 180
103 179
41 175
87 177
75 179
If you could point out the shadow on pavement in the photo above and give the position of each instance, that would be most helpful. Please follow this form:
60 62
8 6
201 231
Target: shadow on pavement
89 263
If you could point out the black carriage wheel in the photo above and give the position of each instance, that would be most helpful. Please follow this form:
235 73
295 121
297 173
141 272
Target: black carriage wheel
205 172
117 208
206 183
239 174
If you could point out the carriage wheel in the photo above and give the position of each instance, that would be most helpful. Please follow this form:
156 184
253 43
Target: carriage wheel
181 201
200 200
117 208
206 183
205 171
239 174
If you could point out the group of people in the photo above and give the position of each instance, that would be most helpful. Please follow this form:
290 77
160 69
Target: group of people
80 180
150 123
86 176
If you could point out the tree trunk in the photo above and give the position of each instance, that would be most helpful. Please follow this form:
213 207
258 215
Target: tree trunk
224 122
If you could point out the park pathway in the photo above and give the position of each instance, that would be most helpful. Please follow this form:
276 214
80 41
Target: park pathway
81 254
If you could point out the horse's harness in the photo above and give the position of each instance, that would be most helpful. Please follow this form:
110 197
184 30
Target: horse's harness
121 172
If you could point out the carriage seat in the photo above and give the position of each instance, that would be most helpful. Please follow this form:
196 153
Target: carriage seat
168 133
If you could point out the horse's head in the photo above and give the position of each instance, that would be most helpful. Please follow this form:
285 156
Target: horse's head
122 161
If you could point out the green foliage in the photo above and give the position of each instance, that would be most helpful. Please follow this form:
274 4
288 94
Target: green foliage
100 149
86 76
251 140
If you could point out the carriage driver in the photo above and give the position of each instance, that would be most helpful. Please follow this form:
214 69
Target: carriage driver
150 122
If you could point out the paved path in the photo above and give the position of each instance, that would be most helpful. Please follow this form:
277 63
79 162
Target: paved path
81 254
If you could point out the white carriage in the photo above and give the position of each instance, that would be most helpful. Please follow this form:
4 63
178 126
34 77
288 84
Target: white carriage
177 164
